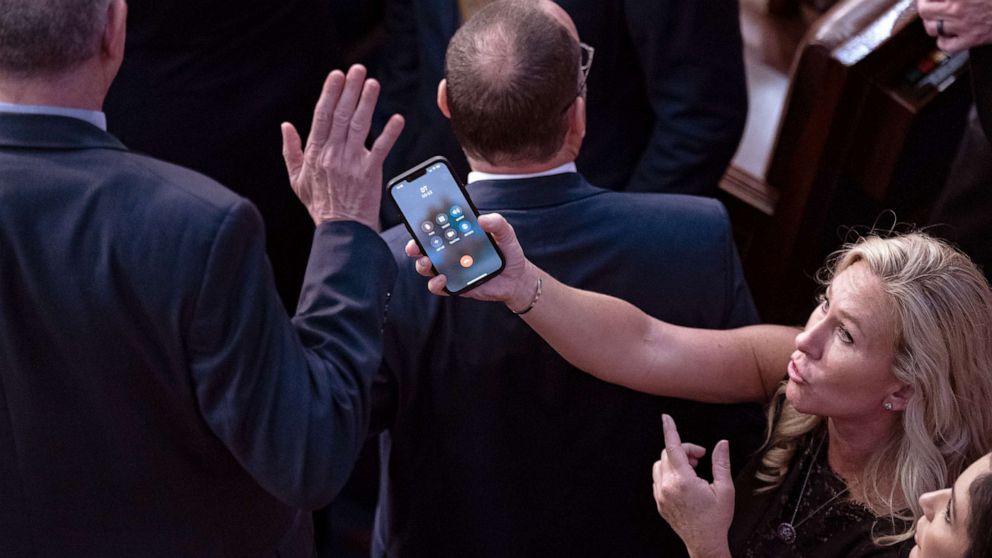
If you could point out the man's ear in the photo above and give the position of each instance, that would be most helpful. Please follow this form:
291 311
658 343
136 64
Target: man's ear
115 32
442 98
577 116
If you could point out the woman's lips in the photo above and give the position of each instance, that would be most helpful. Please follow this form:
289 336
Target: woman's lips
794 374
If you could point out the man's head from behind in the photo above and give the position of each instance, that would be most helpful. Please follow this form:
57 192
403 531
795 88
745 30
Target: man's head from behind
49 36
47 40
512 83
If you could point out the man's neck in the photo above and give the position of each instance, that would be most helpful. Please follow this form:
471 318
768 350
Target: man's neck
523 167
67 90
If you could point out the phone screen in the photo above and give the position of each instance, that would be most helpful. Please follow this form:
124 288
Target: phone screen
444 222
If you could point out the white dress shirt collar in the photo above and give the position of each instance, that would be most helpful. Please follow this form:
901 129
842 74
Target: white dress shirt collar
476 176
94 117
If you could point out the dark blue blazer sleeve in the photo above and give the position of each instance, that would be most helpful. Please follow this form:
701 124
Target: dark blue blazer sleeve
290 399
741 310
692 59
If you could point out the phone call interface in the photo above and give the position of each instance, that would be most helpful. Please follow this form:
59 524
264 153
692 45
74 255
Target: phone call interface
446 227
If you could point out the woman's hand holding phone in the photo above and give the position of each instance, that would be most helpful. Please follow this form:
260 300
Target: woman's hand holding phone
515 286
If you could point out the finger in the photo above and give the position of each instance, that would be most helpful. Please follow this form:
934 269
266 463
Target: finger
496 225
361 121
292 152
693 451
673 446
951 45
424 267
412 249
931 10
436 285
324 110
721 464
384 143
353 86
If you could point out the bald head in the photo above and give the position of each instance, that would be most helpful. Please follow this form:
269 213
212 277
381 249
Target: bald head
512 71
560 15
47 37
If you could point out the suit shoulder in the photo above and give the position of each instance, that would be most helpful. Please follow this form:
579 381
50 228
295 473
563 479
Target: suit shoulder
671 210
179 188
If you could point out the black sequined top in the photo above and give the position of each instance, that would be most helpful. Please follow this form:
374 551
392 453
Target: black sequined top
824 528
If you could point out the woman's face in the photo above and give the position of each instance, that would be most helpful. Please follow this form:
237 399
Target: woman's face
842 366
943 530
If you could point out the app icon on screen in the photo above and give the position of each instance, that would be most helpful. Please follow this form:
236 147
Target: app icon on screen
436 241
441 218
467 261
465 226
450 234
455 211
427 226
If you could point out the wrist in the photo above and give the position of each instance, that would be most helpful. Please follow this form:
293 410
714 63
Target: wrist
338 216
527 292
717 551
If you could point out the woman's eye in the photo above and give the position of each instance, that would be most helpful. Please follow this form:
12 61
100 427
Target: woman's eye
845 335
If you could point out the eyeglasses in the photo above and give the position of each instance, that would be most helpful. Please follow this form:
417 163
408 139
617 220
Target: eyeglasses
585 63
586 53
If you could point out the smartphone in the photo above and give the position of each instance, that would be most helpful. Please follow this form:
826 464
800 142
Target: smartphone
442 219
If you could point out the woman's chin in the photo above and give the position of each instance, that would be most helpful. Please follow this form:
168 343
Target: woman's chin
794 394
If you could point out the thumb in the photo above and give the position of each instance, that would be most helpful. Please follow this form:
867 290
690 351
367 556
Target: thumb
496 225
292 152
721 465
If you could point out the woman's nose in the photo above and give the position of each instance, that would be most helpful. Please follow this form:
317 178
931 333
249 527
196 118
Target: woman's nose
808 340
928 501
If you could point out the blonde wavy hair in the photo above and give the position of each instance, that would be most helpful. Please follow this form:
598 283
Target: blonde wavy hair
943 309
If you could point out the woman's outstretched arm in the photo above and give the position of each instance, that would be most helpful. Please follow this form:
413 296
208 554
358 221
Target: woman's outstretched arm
616 342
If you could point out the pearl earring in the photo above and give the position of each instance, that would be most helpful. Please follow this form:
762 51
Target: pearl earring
887 405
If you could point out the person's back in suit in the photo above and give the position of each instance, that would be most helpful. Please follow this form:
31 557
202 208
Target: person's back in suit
493 445
155 399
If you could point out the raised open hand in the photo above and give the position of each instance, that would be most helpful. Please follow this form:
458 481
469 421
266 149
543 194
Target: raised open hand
335 176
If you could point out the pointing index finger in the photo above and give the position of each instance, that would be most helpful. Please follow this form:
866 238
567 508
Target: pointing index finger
673 445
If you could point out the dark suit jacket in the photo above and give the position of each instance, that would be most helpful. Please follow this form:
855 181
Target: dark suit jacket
206 83
666 94
155 399
495 445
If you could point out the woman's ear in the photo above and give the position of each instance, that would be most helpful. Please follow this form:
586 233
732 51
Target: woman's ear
899 399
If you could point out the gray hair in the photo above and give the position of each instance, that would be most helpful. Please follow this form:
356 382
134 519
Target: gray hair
48 37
